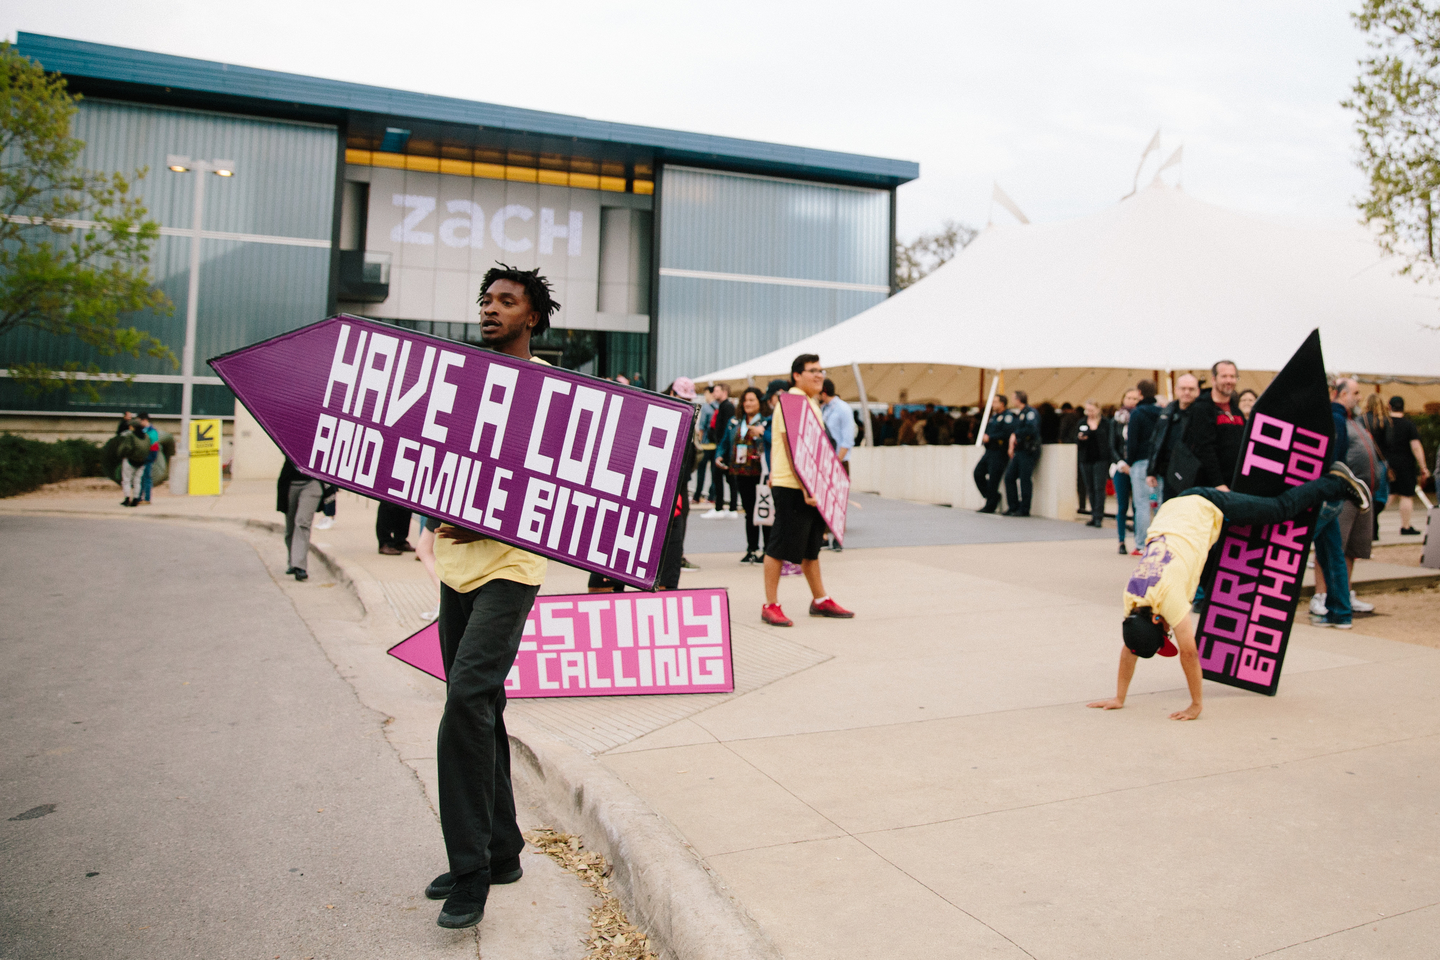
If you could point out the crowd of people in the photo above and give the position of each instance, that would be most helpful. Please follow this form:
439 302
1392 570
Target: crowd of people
1152 452
734 443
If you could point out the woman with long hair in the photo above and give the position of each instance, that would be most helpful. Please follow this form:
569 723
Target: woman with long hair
1376 419
740 450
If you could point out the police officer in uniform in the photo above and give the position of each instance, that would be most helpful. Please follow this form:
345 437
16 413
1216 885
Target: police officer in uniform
1024 453
991 468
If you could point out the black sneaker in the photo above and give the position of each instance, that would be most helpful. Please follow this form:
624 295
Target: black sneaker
301 575
1356 490
1123 551
465 906
501 871
1409 532
750 557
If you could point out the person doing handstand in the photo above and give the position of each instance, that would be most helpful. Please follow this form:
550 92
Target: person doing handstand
1157 598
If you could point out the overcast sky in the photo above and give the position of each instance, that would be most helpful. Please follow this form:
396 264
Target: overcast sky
1054 100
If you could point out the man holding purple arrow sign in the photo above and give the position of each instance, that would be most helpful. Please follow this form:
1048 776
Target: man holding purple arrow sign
810 488
521 461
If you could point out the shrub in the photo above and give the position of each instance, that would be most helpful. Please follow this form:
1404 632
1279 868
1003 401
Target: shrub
26 464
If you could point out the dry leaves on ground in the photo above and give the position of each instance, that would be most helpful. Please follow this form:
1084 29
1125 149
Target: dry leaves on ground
612 935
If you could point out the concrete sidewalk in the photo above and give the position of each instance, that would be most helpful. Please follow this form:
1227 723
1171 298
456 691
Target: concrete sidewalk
925 780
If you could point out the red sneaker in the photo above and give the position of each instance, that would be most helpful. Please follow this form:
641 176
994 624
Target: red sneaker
829 608
773 615
1137 552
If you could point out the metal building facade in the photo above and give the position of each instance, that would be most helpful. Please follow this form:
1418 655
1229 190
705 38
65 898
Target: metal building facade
749 263
710 249
264 255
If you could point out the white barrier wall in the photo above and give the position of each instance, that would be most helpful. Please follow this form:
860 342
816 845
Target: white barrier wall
946 475
256 456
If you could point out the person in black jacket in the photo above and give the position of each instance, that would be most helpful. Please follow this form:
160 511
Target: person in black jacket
991 468
1172 434
1024 449
1138 439
714 432
298 497
1217 428
1093 437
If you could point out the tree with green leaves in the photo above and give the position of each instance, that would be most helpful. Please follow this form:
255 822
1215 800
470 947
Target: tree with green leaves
922 255
1396 100
74 244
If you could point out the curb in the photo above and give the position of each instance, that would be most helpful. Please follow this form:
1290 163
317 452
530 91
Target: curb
665 887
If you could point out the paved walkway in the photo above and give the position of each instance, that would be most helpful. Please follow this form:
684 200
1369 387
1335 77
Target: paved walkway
925 779
186 773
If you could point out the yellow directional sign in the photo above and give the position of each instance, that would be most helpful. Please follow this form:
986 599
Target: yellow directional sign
204 458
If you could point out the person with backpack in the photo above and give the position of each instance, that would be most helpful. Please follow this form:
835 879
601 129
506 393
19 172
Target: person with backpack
134 452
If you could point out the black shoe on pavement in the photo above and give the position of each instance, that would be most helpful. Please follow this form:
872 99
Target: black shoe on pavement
300 575
1357 493
1409 532
501 871
1123 551
750 557
465 906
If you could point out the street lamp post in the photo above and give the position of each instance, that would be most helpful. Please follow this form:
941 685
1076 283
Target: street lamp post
180 468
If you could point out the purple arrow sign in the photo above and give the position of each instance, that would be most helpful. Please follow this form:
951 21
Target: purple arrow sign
570 467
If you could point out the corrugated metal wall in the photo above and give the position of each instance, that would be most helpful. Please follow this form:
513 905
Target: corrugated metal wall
283 188
813 235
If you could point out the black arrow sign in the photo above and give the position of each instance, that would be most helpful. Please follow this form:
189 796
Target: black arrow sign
202 434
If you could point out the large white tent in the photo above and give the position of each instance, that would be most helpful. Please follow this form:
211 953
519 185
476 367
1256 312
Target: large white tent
1158 282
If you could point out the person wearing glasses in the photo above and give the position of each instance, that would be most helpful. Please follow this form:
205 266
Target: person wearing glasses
1157 597
799 528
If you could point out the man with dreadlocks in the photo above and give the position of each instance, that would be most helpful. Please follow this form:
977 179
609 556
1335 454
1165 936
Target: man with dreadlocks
486 592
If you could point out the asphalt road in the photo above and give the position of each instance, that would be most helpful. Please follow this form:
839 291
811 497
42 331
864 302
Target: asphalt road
183 773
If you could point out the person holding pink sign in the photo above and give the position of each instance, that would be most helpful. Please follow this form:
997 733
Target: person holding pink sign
487 589
1157 597
799 526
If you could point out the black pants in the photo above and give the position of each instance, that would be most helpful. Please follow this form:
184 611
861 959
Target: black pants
479 636
1095 474
674 551
1243 508
1017 474
988 474
392 525
707 457
717 486
747 487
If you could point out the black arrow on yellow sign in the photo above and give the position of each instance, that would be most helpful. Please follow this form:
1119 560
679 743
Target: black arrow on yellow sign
202 434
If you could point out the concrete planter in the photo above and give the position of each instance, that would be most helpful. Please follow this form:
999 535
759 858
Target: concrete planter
946 475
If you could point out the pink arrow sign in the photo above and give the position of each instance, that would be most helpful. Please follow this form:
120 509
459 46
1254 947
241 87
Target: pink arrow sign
609 645
819 470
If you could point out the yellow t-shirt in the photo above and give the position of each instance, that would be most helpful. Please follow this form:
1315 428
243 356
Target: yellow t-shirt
464 567
782 472
1179 540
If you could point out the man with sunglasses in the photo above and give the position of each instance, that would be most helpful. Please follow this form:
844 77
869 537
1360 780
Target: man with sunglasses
1157 598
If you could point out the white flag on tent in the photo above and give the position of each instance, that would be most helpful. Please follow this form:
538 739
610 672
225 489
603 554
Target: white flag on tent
1175 158
1002 198
1154 145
